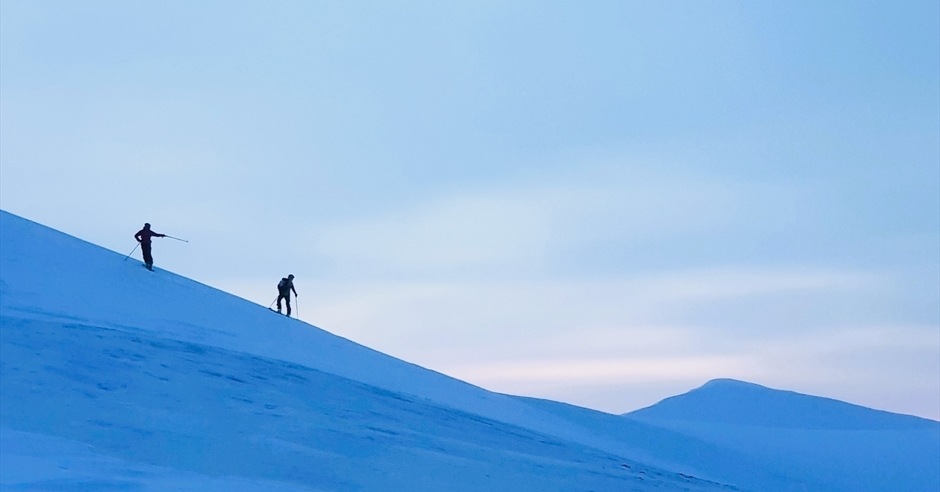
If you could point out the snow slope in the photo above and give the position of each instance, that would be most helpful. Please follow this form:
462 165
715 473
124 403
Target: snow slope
116 378
113 377
835 445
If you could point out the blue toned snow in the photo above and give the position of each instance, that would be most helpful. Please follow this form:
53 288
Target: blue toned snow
116 378
835 445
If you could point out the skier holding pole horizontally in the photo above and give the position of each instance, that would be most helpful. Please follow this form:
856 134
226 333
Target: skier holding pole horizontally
284 288
143 237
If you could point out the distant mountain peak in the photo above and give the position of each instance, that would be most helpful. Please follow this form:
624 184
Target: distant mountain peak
731 383
730 401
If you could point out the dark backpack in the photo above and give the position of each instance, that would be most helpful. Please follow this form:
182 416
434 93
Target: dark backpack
283 285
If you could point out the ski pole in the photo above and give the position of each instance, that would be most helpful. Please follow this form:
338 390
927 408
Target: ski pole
272 303
178 239
297 305
132 252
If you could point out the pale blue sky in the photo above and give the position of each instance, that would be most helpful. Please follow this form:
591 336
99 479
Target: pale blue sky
604 203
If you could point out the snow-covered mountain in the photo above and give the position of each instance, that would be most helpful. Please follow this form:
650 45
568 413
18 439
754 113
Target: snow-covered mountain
116 378
835 445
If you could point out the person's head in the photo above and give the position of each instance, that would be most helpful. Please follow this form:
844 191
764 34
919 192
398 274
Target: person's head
147 225
290 277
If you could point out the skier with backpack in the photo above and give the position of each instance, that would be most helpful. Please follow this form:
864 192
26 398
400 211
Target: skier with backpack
143 237
284 288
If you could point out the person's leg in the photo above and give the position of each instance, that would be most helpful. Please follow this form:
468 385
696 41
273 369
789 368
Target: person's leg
148 258
279 297
287 300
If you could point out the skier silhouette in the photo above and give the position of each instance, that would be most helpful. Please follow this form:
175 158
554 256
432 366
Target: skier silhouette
143 237
284 288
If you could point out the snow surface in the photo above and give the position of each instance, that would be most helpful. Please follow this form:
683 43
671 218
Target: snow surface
835 445
116 378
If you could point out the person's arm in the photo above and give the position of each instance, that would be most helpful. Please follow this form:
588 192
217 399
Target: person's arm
137 237
293 289
157 234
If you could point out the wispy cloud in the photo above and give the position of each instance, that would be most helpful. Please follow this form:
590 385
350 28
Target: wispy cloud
622 336
528 225
463 230
893 360
550 305
595 371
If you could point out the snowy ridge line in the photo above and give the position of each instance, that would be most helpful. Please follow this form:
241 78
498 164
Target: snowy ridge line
95 286
176 366
116 387
625 452
746 404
